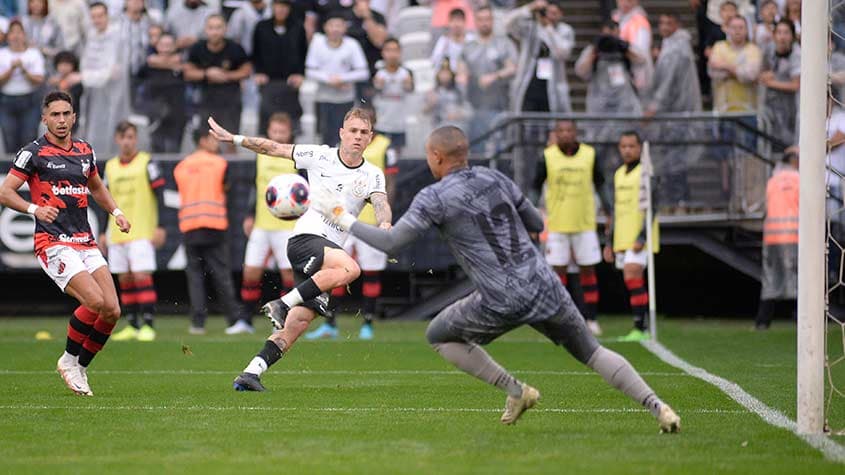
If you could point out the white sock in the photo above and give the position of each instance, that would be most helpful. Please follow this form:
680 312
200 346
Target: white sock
257 366
292 298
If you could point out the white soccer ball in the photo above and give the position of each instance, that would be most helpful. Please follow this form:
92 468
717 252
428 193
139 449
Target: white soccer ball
287 196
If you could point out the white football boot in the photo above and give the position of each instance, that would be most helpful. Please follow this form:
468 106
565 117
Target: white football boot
68 369
515 406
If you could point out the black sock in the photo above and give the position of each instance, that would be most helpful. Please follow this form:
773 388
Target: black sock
308 290
765 312
331 321
271 353
148 319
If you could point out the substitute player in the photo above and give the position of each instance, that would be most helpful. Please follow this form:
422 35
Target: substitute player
268 235
486 221
371 260
135 180
628 232
573 177
315 248
61 171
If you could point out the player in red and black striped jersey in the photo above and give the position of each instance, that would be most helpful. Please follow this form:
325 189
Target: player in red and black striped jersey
61 171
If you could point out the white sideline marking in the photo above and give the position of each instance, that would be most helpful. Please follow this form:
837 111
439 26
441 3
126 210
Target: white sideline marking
399 372
830 449
600 410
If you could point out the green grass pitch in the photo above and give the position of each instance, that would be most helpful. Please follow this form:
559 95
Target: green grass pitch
392 406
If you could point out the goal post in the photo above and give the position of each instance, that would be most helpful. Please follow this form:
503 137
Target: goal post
812 231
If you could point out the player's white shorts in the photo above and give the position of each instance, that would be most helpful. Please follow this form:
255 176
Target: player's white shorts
631 257
367 257
560 248
263 244
132 256
61 263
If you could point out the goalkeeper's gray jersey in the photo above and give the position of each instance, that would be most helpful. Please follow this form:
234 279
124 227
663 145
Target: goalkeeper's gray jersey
475 210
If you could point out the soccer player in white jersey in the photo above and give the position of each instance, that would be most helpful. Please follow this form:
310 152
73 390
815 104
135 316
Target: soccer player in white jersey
315 248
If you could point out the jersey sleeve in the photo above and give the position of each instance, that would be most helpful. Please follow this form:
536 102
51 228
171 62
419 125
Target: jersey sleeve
425 211
24 165
93 169
306 156
377 184
154 175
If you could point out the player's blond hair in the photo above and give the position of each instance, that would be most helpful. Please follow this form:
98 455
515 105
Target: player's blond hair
361 113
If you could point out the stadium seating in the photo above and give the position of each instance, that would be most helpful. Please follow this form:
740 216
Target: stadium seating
413 20
416 45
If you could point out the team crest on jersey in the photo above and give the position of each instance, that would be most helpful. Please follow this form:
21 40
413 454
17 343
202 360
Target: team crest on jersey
359 188
86 166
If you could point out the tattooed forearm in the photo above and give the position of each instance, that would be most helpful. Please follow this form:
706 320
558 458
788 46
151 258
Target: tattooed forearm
268 147
382 208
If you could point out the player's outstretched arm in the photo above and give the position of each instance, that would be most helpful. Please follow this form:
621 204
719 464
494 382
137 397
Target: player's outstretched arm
103 198
381 206
256 144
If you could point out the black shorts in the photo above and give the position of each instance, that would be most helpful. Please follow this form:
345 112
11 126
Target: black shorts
306 253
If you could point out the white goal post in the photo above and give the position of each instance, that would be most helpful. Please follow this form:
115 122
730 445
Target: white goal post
812 230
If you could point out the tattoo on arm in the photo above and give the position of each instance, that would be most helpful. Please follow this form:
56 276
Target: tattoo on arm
268 147
382 208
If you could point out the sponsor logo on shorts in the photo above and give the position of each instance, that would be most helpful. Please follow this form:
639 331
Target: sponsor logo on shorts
74 239
61 267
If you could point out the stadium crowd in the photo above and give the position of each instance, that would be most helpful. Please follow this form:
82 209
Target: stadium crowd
176 63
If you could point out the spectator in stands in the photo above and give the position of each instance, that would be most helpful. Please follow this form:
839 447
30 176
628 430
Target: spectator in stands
636 30
279 49
369 28
105 75
154 32
186 21
780 239
446 103
242 23
42 30
393 84
449 46
72 18
486 66
218 66
781 78
734 66
202 179
336 62
21 75
792 12
67 79
546 43
765 29
607 65
134 24
440 10
165 93
674 90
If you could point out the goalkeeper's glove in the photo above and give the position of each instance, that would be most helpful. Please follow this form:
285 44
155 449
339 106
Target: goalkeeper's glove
333 211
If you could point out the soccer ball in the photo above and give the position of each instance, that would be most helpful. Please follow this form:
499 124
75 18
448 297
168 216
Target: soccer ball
287 196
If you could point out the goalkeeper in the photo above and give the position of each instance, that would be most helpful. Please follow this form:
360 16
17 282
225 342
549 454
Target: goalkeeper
486 219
